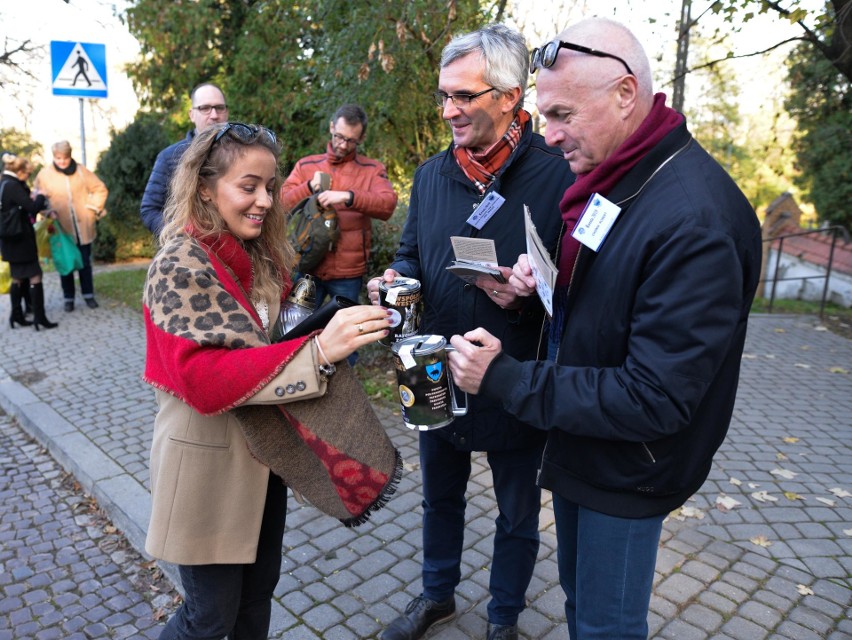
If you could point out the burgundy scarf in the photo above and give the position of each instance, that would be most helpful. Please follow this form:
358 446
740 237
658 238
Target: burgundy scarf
482 168
657 125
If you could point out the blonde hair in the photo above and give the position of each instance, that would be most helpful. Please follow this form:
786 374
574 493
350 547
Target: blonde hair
16 164
62 148
202 164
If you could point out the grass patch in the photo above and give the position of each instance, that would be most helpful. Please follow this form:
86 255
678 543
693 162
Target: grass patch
122 285
799 307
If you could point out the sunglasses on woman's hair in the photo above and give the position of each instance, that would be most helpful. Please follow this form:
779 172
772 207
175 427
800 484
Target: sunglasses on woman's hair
245 133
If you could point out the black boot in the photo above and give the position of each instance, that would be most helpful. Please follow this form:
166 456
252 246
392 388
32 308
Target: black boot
38 308
17 315
25 296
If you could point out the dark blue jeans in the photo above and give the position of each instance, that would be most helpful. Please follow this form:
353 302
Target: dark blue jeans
445 472
346 287
606 569
87 286
234 600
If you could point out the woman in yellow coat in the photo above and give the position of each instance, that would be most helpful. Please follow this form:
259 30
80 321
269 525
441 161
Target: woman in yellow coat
78 196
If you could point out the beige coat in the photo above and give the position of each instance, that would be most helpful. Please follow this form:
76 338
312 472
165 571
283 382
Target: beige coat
207 490
78 199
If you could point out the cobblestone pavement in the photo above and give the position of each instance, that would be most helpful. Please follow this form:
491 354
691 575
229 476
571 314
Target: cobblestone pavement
776 563
64 571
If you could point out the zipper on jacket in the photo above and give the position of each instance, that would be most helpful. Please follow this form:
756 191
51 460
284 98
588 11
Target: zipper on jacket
650 455
568 296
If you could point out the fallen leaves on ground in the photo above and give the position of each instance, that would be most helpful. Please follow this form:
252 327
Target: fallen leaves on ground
784 473
763 496
792 495
687 512
803 590
826 501
760 541
837 370
840 493
790 440
726 503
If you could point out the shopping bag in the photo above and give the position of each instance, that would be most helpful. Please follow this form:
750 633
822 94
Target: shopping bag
66 255
5 278
42 233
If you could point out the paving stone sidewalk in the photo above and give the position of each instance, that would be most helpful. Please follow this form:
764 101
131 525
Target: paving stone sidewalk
778 564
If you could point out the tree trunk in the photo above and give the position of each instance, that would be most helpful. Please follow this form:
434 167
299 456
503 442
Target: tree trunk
679 82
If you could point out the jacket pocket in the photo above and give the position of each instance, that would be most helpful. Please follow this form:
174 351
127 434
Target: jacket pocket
196 444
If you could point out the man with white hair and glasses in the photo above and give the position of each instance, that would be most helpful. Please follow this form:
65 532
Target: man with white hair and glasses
477 189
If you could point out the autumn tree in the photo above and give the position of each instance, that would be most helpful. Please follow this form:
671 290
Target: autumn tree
290 65
821 102
827 32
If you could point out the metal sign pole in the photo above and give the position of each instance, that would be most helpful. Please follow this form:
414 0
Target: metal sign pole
82 134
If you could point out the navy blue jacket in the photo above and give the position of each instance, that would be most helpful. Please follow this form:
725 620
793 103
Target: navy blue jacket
157 189
442 199
648 365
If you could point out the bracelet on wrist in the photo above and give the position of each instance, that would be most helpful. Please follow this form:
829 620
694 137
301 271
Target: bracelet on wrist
328 368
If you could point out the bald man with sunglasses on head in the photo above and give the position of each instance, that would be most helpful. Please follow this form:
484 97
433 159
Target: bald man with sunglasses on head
208 108
657 271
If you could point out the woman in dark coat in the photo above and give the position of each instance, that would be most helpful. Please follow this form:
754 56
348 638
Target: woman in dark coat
20 251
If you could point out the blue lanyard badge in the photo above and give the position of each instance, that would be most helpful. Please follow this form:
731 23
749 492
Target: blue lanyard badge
486 209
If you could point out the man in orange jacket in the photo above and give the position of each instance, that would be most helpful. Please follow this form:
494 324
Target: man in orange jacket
360 191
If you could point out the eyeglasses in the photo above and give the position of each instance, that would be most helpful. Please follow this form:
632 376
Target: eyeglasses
339 139
545 56
460 100
245 133
207 108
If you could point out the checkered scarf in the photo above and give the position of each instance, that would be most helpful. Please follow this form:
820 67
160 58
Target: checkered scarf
482 168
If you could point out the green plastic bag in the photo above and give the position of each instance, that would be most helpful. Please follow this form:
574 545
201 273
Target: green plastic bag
66 255
5 278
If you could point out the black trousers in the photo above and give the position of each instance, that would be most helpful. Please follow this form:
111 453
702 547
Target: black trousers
234 600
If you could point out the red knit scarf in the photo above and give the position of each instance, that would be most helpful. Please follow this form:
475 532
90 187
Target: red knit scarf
657 125
482 168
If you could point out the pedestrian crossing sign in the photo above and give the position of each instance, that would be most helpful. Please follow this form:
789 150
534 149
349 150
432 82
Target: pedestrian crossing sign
78 69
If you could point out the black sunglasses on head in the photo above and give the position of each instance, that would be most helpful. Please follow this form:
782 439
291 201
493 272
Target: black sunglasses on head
245 133
545 56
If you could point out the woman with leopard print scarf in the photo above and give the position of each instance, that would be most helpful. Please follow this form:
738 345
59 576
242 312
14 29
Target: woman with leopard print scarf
217 509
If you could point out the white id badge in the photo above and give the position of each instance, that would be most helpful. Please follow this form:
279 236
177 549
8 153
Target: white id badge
595 221
486 209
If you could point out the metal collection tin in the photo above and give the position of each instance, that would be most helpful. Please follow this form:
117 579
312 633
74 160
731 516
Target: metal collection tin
424 382
402 297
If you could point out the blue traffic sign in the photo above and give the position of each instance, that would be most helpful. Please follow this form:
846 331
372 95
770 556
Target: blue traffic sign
78 69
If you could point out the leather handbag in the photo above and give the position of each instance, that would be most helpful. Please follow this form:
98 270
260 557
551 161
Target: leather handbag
11 219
